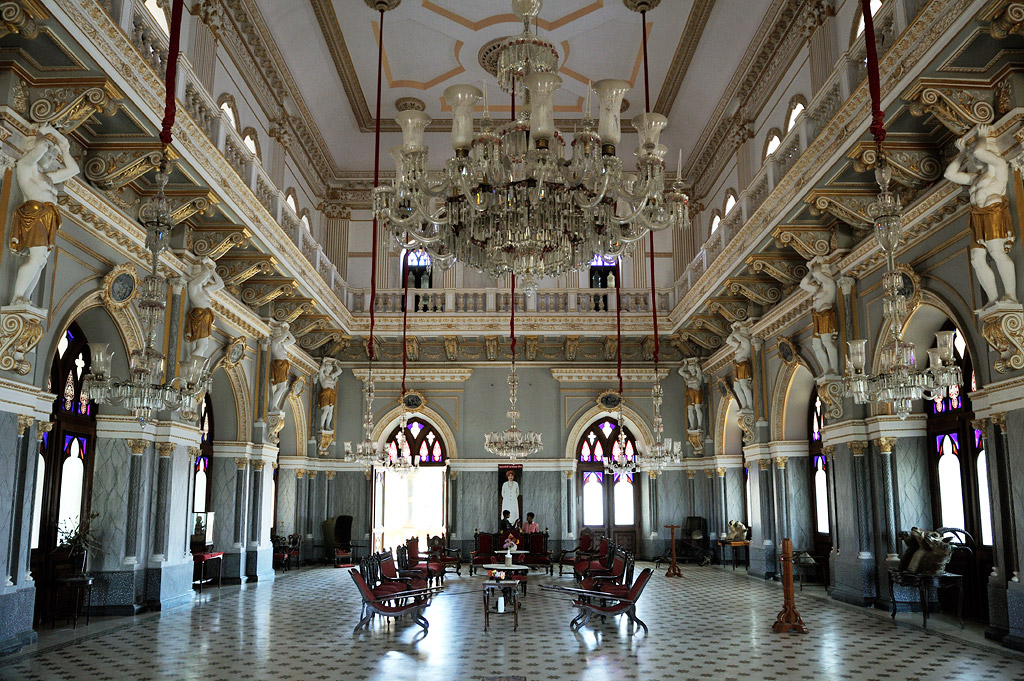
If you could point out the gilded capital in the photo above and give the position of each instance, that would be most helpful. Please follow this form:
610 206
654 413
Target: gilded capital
164 449
568 474
241 462
138 446
999 421
763 464
979 424
653 475
331 474
24 423
690 473
193 453
781 461
454 475
43 428
859 448
300 472
886 444
710 472
721 472
258 464
829 450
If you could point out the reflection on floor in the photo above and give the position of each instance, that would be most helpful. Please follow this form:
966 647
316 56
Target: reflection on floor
712 624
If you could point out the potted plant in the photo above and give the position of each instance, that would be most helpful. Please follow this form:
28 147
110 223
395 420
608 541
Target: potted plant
78 540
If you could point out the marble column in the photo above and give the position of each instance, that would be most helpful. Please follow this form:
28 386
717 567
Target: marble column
1011 440
18 479
259 554
131 533
885 446
829 451
998 617
865 523
762 558
241 465
453 504
691 488
301 490
162 500
169 569
711 503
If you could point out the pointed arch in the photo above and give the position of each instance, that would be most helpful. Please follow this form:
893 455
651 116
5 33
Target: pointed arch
771 143
636 423
382 430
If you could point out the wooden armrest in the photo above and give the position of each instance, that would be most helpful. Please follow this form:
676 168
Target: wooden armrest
583 592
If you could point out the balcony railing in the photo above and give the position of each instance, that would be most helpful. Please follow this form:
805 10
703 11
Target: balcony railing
499 301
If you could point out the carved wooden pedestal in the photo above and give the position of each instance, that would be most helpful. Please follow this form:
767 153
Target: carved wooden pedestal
673 568
789 619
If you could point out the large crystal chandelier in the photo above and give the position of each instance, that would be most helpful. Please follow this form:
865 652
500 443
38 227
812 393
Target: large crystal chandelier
509 200
144 392
899 382
513 443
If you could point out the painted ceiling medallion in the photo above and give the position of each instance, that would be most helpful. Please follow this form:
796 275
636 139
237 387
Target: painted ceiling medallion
641 5
409 104
382 5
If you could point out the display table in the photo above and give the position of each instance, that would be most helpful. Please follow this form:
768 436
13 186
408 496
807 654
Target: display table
515 567
737 544
200 560
924 584
509 588
76 583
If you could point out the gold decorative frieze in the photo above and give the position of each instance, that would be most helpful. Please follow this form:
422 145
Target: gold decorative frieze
110 170
256 292
757 290
239 268
958 108
1002 325
784 267
20 330
66 108
912 166
809 241
733 309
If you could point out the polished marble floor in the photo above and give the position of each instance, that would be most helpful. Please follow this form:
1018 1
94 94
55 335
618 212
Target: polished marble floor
712 624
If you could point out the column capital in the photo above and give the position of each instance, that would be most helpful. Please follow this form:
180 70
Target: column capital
690 473
829 450
42 429
138 446
763 464
193 453
845 284
781 461
164 449
885 444
721 471
859 447
24 423
999 420
300 472
653 475
241 462
710 472
979 424
331 474
257 464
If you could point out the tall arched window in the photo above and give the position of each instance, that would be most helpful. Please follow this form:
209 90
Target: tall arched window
795 109
730 202
201 471
159 15
959 475
608 502
413 504
416 266
603 274
716 222
421 440
774 142
289 198
227 105
251 141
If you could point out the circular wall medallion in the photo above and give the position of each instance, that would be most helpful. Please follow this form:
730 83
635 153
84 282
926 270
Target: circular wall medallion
787 351
120 286
609 399
413 401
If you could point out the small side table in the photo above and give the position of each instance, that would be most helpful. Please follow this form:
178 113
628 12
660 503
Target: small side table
737 544
924 585
673 568
201 559
76 582
510 588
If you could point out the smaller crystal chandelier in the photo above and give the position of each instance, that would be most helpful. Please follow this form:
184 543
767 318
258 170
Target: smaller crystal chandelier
617 461
404 461
513 443
899 382
661 450
366 451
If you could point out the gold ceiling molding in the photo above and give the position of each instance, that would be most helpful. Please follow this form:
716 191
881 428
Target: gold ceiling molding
700 12
419 374
330 28
602 375
509 18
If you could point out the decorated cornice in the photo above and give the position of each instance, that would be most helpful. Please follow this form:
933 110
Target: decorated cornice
605 375
417 374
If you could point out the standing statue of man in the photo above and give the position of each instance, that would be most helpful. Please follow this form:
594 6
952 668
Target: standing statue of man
822 287
743 371
281 340
990 222
328 375
203 282
47 163
693 376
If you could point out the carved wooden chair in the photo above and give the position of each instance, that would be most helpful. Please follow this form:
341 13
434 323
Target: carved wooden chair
416 601
599 559
450 559
539 557
590 603
569 557
484 552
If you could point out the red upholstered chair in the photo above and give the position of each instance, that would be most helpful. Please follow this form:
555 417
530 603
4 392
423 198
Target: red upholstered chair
450 559
620 605
389 572
614 580
602 558
416 602
484 552
539 556
418 561
569 557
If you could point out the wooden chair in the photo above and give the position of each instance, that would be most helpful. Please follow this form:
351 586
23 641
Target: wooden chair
610 580
389 572
484 552
571 556
598 560
539 556
438 551
415 602
590 603
416 561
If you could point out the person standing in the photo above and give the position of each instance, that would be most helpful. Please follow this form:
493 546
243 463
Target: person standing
510 497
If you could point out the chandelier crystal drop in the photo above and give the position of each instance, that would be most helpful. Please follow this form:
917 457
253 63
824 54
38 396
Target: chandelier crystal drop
404 461
898 382
616 461
660 450
509 200
144 393
366 451
512 443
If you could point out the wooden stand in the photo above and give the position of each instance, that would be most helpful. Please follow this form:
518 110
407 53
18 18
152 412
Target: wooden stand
789 619
673 568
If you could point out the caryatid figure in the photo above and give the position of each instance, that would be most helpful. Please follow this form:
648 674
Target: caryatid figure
822 287
743 370
991 225
47 163
328 375
693 376
281 340
203 282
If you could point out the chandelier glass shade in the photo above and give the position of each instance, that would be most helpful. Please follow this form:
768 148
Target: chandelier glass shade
510 199
144 392
898 382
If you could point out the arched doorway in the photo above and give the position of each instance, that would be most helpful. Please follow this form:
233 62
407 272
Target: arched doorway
411 503
609 503
821 528
201 488
65 462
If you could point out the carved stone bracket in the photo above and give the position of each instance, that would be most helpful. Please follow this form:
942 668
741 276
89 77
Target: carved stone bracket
20 330
683 345
317 339
258 292
110 170
712 323
1002 325
290 309
310 323
830 390
531 345
1009 21
491 348
746 421
956 108
611 346
324 441
850 207
275 423
237 272
215 243
412 348
782 266
733 309
912 167
758 290
807 240
451 348
696 440
200 204
67 108
709 340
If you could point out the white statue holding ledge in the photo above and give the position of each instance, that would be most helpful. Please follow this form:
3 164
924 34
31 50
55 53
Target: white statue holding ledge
328 376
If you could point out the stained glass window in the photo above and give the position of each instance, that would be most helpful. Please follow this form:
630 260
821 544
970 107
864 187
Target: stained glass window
201 482
417 258
623 491
817 419
951 492
593 498
422 438
69 392
72 481
602 437
820 495
984 500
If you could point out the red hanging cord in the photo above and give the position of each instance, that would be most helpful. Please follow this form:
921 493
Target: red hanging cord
171 77
877 127
512 321
405 316
647 107
618 331
371 351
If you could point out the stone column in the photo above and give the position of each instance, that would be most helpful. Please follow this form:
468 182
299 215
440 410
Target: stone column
864 517
301 490
691 487
829 451
722 502
885 446
1010 438
241 464
570 507
259 555
998 617
132 511
162 500
453 503
710 503
18 497
766 510
328 511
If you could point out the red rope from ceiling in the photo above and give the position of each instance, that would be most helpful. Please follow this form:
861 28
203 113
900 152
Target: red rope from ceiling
512 321
647 107
877 127
171 77
405 317
372 350
618 329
